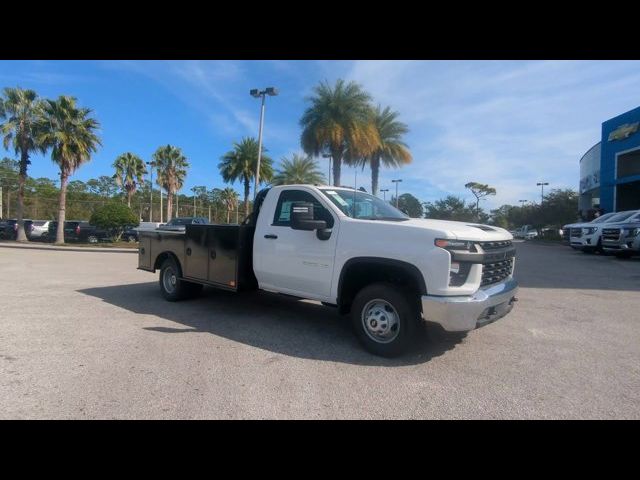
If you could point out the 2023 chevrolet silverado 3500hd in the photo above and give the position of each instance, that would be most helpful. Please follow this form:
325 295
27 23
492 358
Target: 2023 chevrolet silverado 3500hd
348 249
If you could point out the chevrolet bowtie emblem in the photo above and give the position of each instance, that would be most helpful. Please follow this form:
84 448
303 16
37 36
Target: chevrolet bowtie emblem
624 131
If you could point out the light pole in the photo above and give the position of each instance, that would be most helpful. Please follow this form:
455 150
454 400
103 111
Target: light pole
151 164
396 182
541 185
256 93
384 193
522 202
328 155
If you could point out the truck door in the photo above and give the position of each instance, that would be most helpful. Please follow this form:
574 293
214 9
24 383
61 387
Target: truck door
294 261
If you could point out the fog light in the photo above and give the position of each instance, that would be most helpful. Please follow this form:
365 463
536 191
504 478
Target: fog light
455 267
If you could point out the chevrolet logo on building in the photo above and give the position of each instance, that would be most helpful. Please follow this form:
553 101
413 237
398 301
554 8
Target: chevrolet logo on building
624 131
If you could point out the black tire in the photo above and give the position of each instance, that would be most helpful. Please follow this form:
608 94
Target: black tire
173 289
92 239
375 300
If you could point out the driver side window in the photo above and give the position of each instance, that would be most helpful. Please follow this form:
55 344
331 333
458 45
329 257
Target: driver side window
282 217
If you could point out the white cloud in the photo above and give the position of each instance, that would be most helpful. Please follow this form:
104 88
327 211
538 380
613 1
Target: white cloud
508 124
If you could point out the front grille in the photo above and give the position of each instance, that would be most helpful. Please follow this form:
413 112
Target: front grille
576 232
566 233
494 245
496 272
611 234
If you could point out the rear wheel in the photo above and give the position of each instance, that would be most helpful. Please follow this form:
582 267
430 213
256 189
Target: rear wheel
384 319
173 289
92 239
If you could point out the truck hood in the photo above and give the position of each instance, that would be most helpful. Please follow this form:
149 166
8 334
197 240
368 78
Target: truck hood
459 230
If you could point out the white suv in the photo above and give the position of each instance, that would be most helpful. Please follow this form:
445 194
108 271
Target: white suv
588 236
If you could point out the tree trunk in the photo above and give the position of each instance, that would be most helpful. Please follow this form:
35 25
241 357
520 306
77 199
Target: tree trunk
246 197
228 213
169 204
337 164
375 174
62 208
24 161
129 193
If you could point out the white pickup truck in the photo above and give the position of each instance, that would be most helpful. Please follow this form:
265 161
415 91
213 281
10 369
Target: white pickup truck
350 250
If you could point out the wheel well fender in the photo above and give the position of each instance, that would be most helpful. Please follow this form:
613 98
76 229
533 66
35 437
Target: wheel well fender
359 272
164 256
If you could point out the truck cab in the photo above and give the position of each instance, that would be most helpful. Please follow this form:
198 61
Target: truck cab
354 251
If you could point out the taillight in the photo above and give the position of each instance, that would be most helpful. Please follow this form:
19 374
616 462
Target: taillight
78 230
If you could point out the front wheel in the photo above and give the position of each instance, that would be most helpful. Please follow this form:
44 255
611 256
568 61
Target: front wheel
384 319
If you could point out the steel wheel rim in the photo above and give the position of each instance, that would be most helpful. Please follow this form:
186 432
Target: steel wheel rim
169 280
380 321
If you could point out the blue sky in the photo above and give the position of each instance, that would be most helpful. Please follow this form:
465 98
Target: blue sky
506 123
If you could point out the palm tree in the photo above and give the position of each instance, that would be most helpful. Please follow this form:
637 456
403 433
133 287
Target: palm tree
339 119
130 172
172 167
229 198
70 132
392 151
240 164
20 110
299 169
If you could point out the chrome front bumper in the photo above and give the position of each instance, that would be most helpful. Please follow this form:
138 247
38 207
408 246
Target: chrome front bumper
458 314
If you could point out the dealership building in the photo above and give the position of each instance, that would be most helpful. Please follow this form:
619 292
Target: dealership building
610 170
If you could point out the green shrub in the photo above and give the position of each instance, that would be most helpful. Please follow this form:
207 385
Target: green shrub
114 217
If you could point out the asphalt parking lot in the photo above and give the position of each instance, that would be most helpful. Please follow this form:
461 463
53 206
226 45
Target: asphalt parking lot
86 335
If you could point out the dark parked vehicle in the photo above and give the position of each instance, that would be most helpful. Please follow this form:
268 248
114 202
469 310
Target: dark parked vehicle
78 231
179 224
130 234
9 228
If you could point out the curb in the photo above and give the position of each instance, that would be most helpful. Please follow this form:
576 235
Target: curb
69 249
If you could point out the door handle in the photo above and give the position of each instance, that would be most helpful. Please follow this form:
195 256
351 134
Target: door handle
271 236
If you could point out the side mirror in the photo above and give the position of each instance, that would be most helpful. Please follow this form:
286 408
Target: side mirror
302 217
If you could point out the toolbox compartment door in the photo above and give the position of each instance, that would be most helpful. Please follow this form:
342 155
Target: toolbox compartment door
196 255
223 242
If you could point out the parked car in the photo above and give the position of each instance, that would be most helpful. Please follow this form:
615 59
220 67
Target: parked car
526 231
78 231
566 229
622 241
179 224
307 241
9 228
148 225
40 227
587 237
130 234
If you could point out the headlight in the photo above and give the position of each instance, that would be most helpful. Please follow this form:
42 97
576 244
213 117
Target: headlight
453 244
590 230
633 232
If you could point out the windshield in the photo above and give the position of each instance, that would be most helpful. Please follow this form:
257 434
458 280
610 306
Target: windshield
362 205
620 217
602 218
